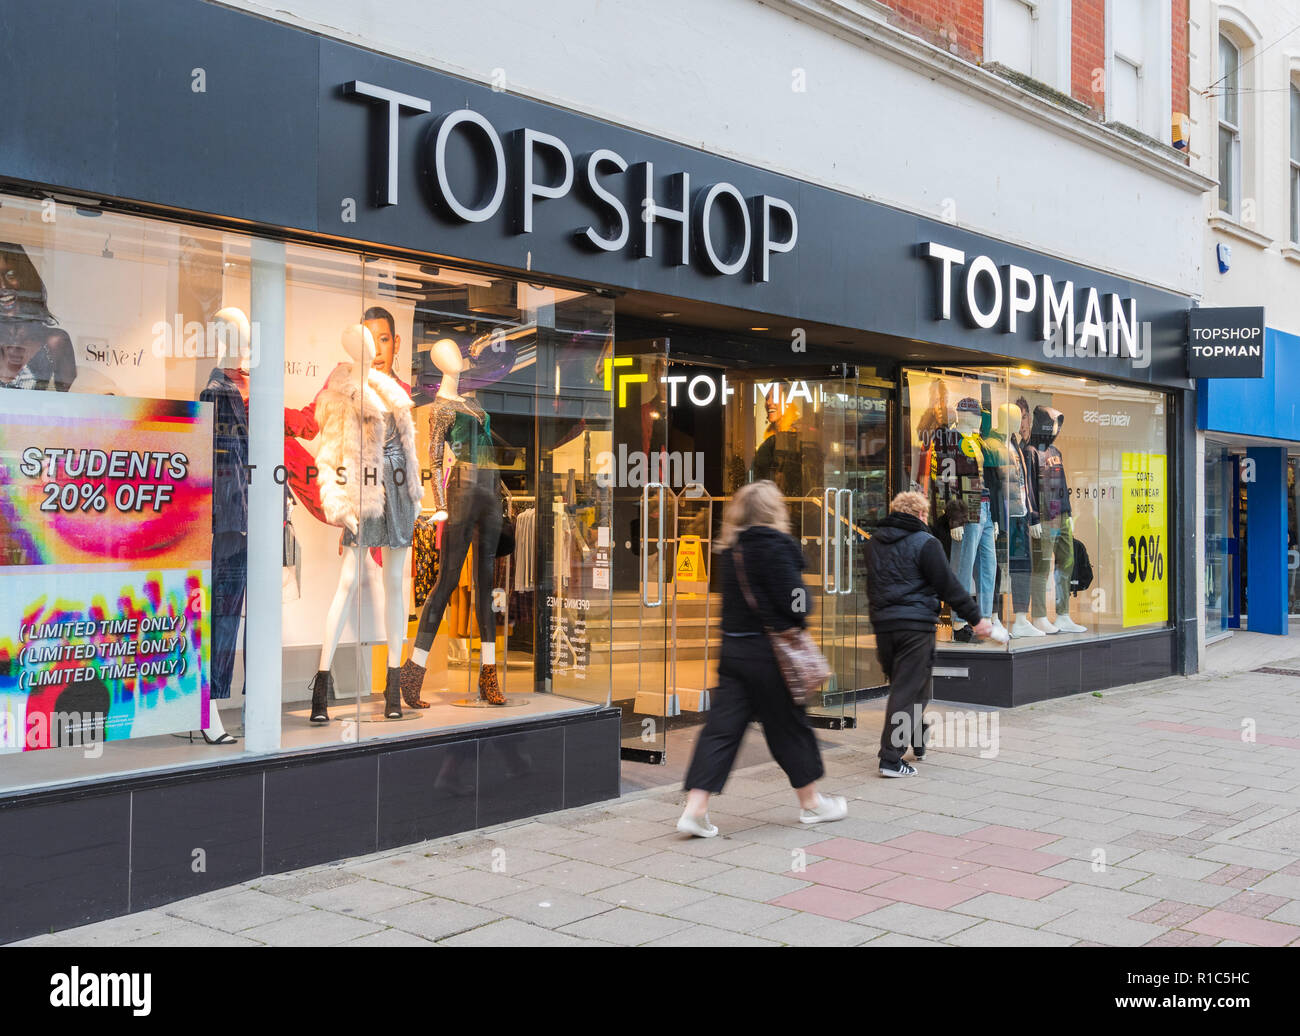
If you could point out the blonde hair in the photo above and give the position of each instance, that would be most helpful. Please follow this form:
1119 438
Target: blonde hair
914 504
759 503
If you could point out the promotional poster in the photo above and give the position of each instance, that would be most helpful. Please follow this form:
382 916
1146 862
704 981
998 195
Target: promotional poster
105 546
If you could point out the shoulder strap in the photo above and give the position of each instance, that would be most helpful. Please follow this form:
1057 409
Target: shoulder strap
737 558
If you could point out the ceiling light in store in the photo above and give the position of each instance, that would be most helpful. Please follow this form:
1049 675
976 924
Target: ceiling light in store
760 329
668 314
1025 372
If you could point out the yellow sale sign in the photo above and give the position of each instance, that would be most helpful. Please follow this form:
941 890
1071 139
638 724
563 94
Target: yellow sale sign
1146 542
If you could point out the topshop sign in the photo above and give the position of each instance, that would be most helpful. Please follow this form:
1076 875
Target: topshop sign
717 227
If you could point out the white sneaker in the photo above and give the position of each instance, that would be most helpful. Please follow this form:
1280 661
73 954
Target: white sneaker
1022 627
828 808
1067 625
1045 624
998 629
697 826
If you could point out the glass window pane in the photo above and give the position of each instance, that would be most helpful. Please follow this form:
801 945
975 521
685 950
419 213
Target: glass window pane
128 547
1229 86
1013 36
1227 169
1295 123
1125 96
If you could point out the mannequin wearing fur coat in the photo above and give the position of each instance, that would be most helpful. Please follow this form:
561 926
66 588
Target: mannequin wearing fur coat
369 477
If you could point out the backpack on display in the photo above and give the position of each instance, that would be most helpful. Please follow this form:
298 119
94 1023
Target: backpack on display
1081 577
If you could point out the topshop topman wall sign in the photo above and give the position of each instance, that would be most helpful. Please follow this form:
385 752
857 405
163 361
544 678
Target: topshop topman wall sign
728 233
1225 342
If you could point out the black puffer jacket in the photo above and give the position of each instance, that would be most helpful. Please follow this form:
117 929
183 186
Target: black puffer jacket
773 566
908 576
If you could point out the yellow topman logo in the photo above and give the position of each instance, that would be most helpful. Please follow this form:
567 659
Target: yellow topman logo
623 379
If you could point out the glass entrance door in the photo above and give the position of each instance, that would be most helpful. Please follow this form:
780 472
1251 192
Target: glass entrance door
641 473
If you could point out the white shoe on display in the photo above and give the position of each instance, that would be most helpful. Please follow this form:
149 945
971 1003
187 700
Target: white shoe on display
998 629
1045 624
1067 625
1022 627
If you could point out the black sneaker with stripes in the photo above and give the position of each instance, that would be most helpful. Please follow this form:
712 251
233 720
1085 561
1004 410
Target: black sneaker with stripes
898 769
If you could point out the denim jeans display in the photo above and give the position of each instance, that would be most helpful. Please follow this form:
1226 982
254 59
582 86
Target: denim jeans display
976 547
1015 542
1057 544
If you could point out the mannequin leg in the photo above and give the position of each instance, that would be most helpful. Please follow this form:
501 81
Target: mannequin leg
322 687
1019 565
962 561
988 561
395 559
1043 550
336 617
486 536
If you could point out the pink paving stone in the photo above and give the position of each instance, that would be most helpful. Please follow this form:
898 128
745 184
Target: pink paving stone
842 875
825 901
925 865
936 845
1015 837
1252 904
1277 739
1224 875
1031 860
926 892
1012 883
1253 930
852 851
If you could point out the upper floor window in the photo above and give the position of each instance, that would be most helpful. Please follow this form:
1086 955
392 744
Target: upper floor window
1295 163
1229 91
1138 64
1030 36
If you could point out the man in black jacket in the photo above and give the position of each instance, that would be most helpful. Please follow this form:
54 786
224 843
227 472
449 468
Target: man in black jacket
907 577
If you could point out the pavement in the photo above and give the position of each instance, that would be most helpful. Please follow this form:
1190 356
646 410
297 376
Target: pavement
1160 814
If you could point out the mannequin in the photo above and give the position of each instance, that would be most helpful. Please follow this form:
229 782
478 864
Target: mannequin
466 497
227 390
1057 544
370 487
966 507
1010 490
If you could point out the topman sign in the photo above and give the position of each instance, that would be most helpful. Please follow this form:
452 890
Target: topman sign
715 225
1225 342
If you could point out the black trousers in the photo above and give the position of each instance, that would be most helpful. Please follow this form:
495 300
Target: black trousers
473 516
907 657
229 582
750 687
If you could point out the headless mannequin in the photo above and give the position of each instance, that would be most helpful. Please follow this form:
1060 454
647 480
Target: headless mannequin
1006 424
447 357
967 427
359 344
236 332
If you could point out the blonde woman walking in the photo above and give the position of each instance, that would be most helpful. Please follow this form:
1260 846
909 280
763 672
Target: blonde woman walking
757 552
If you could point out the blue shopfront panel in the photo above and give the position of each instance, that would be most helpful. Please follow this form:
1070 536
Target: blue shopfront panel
1269 406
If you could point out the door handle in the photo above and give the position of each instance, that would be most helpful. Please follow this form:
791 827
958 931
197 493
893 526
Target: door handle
645 544
848 539
830 530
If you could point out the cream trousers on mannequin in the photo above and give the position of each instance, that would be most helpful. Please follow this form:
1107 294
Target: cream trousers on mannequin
395 559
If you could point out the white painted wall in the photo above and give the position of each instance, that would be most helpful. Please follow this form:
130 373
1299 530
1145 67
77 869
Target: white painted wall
720 75
1266 270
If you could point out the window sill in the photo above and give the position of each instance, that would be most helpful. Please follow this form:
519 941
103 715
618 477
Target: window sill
1225 224
1291 252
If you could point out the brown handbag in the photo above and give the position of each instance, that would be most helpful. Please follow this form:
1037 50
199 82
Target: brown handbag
803 668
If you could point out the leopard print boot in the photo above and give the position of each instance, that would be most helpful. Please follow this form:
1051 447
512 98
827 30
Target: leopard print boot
411 680
488 688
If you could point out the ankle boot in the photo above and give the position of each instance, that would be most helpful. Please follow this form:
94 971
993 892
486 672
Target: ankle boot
488 688
410 680
322 689
393 695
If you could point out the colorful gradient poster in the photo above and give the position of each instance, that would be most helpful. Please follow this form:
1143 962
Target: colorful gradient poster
105 563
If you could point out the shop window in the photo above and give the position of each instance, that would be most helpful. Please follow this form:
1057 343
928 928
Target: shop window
1050 495
181 562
